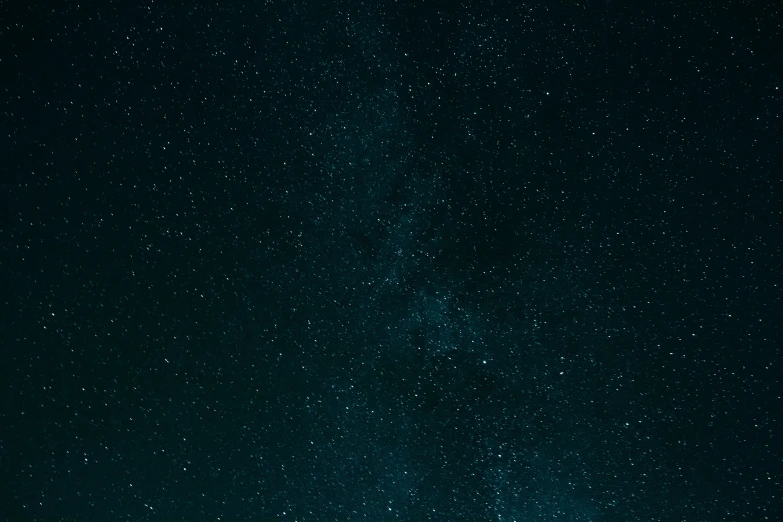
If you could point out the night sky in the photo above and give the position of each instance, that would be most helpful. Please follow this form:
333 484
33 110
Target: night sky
443 260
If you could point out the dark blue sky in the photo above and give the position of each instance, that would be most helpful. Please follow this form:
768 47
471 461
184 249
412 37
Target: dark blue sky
392 260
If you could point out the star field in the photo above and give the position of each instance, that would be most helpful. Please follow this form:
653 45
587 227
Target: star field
390 261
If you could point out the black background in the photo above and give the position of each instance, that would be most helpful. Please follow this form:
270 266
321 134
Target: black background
393 260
